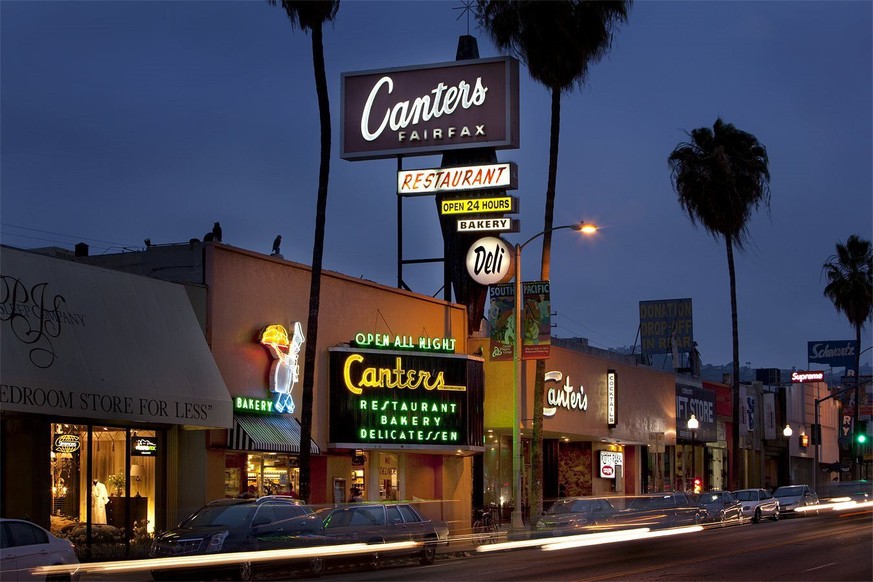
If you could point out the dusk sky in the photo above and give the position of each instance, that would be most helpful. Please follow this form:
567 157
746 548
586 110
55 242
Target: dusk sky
130 120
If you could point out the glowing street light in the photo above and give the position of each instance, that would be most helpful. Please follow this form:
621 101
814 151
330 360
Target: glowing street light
693 425
787 432
516 517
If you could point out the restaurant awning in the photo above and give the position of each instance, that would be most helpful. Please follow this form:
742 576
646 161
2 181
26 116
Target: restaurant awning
84 341
267 433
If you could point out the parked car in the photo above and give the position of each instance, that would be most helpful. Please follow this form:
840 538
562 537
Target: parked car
570 514
25 545
661 510
792 497
841 491
385 522
758 504
238 525
721 507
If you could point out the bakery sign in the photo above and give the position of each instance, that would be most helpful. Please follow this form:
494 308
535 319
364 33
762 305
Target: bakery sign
429 109
397 399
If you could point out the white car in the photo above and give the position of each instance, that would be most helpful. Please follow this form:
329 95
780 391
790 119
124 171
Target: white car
25 545
758 504
793 498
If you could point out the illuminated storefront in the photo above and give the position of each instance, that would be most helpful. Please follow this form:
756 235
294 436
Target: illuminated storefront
608 424
106 377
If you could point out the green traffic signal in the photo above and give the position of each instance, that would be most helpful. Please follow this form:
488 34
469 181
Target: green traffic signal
861 438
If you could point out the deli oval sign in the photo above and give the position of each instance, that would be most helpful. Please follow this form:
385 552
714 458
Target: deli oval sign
490 261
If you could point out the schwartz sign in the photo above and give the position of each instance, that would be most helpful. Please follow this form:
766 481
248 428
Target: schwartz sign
429 109
836 354
403 400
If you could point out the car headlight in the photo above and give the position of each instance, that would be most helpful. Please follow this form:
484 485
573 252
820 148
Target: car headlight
216 542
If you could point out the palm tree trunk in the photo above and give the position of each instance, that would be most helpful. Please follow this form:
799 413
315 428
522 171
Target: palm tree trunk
536 450
738 481
856 452
317 255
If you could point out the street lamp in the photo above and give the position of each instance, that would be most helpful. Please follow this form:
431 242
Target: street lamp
693 425
787 432
516 517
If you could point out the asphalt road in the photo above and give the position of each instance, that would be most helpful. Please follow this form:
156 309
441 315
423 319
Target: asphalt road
836 546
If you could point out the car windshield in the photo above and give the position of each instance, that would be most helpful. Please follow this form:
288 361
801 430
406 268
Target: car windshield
747 495
709 498
226 515
570 506
660 502
788 492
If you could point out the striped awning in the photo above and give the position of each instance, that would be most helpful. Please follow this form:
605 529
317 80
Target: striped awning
268 433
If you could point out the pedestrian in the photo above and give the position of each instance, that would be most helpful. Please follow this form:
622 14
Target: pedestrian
356 495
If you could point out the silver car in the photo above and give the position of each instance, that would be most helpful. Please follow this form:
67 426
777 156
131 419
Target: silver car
758 504
25 545
793 497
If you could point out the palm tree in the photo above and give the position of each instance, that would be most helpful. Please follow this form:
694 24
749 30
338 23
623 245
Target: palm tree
850 288
557 41
310 15
721 176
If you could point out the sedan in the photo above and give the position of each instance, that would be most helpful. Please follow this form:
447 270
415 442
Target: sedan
721 507
573 513
660 510
758 504
793 497
25 545
385 522
239 525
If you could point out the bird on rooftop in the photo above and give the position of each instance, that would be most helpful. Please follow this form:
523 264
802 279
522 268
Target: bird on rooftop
276 242
148 242
216 231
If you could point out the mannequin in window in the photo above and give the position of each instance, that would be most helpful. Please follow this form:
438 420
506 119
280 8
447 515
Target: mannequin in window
99 499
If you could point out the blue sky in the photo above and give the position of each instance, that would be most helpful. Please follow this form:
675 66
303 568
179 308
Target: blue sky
127 120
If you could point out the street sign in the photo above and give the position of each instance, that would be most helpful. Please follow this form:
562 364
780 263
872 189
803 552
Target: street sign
487 224
503 204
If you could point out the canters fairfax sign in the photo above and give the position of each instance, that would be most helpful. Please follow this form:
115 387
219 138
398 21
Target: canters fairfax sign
430 108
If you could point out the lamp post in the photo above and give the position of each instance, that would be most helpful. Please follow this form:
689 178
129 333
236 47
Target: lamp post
516 518
693 425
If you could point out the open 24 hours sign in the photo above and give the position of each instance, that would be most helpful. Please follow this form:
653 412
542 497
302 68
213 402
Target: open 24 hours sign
401 400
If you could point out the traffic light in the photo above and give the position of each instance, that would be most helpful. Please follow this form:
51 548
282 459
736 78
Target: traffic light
697 484
861 437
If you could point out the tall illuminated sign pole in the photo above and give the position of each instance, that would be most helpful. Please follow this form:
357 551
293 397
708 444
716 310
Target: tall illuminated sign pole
517 521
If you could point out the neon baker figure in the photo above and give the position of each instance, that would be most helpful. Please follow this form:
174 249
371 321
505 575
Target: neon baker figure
285 370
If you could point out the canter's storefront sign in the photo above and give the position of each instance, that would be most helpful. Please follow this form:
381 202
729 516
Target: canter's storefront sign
391 399
430 108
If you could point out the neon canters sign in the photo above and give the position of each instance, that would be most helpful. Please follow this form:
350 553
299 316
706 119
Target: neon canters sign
565 396
396 378
429 109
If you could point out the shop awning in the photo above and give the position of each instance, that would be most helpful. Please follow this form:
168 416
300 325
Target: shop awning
84 341
267 433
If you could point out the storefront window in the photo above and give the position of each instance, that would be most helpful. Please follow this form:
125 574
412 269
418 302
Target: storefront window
260 474
103 495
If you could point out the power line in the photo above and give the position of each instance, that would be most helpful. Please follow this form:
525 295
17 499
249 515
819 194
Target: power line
70 236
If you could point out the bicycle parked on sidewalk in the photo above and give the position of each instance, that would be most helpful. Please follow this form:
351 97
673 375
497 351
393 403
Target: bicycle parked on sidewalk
484 527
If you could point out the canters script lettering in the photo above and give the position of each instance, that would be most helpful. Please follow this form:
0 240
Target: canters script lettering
442 100
393 378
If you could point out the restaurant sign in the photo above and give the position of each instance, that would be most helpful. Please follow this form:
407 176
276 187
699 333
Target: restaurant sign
394 399
429 109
